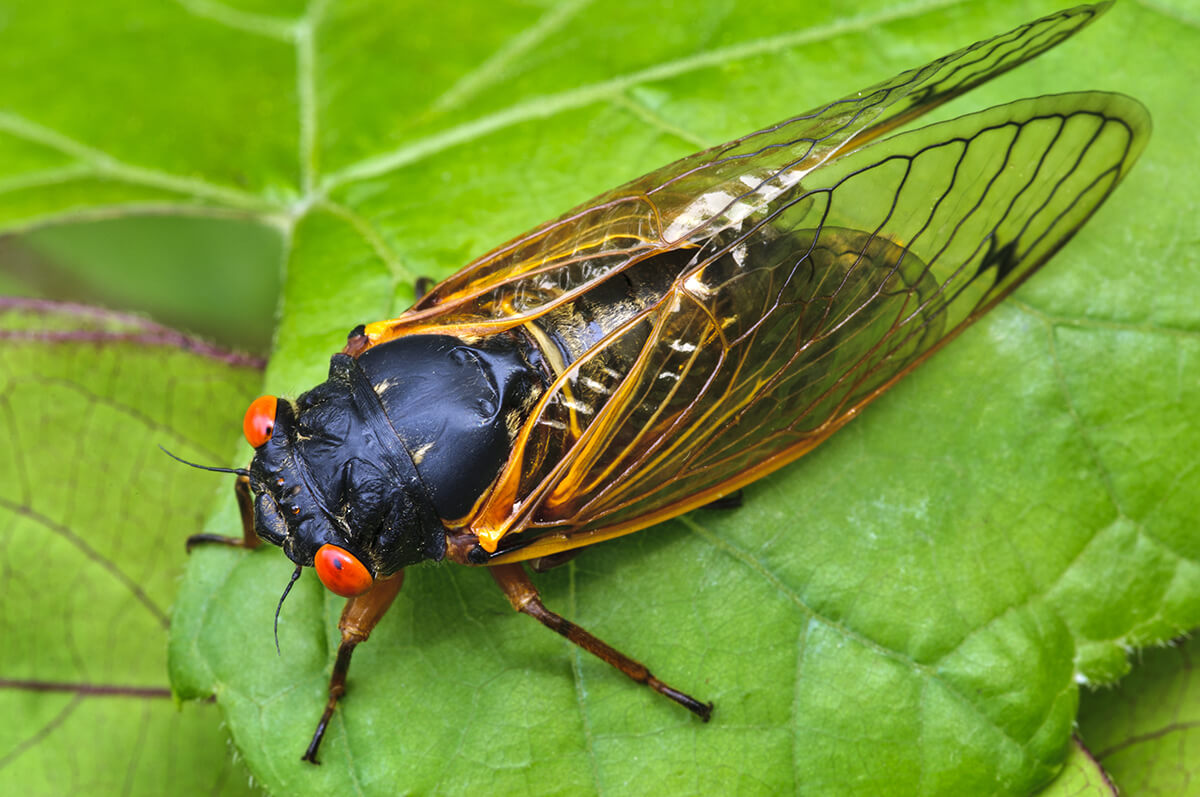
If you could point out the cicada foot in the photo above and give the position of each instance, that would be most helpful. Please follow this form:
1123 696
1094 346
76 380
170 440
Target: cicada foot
245 502
524 598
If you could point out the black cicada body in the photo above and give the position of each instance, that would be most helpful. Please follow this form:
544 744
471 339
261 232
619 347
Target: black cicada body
398 440
678 337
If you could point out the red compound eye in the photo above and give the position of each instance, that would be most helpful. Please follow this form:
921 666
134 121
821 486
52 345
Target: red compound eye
260 420
341 572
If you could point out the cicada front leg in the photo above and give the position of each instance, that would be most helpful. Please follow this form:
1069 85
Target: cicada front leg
360 616
524 598
245 502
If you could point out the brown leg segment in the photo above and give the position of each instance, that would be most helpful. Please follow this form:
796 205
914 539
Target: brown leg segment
546 563
358 618
422 286
241 489
524 598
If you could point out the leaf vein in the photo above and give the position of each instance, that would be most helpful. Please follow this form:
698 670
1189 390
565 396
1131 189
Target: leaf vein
306 92
492 68
106 166
90 553
575 654
372 236
549 105
1173 14
42 732
245 21
929 673
1102 324
650 117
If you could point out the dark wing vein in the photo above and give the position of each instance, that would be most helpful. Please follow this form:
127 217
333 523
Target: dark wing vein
702 194
785 324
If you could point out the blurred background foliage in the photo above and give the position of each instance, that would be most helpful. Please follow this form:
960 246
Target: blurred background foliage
222 282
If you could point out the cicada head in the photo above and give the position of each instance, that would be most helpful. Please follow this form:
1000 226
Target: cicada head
356 476
335 488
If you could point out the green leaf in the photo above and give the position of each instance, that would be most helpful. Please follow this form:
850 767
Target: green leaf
91 517
1081 776
907 610
1144 733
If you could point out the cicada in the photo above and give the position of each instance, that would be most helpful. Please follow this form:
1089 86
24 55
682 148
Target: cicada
672 340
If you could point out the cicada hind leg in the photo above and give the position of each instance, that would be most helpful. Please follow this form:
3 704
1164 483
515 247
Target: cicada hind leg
245 502
524 597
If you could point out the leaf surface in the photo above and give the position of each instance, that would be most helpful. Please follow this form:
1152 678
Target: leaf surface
1146 733
90 514
1081 776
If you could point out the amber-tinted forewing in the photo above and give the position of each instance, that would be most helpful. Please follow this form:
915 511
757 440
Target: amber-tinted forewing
698 196
787 324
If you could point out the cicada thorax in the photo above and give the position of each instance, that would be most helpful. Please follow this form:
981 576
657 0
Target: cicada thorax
396 444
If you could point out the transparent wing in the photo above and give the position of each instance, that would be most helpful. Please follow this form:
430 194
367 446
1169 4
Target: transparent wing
783 325
698 197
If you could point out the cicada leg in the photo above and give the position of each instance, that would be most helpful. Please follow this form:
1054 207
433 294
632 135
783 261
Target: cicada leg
245 502
358 619
731 501
422 286
544 563
524 598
